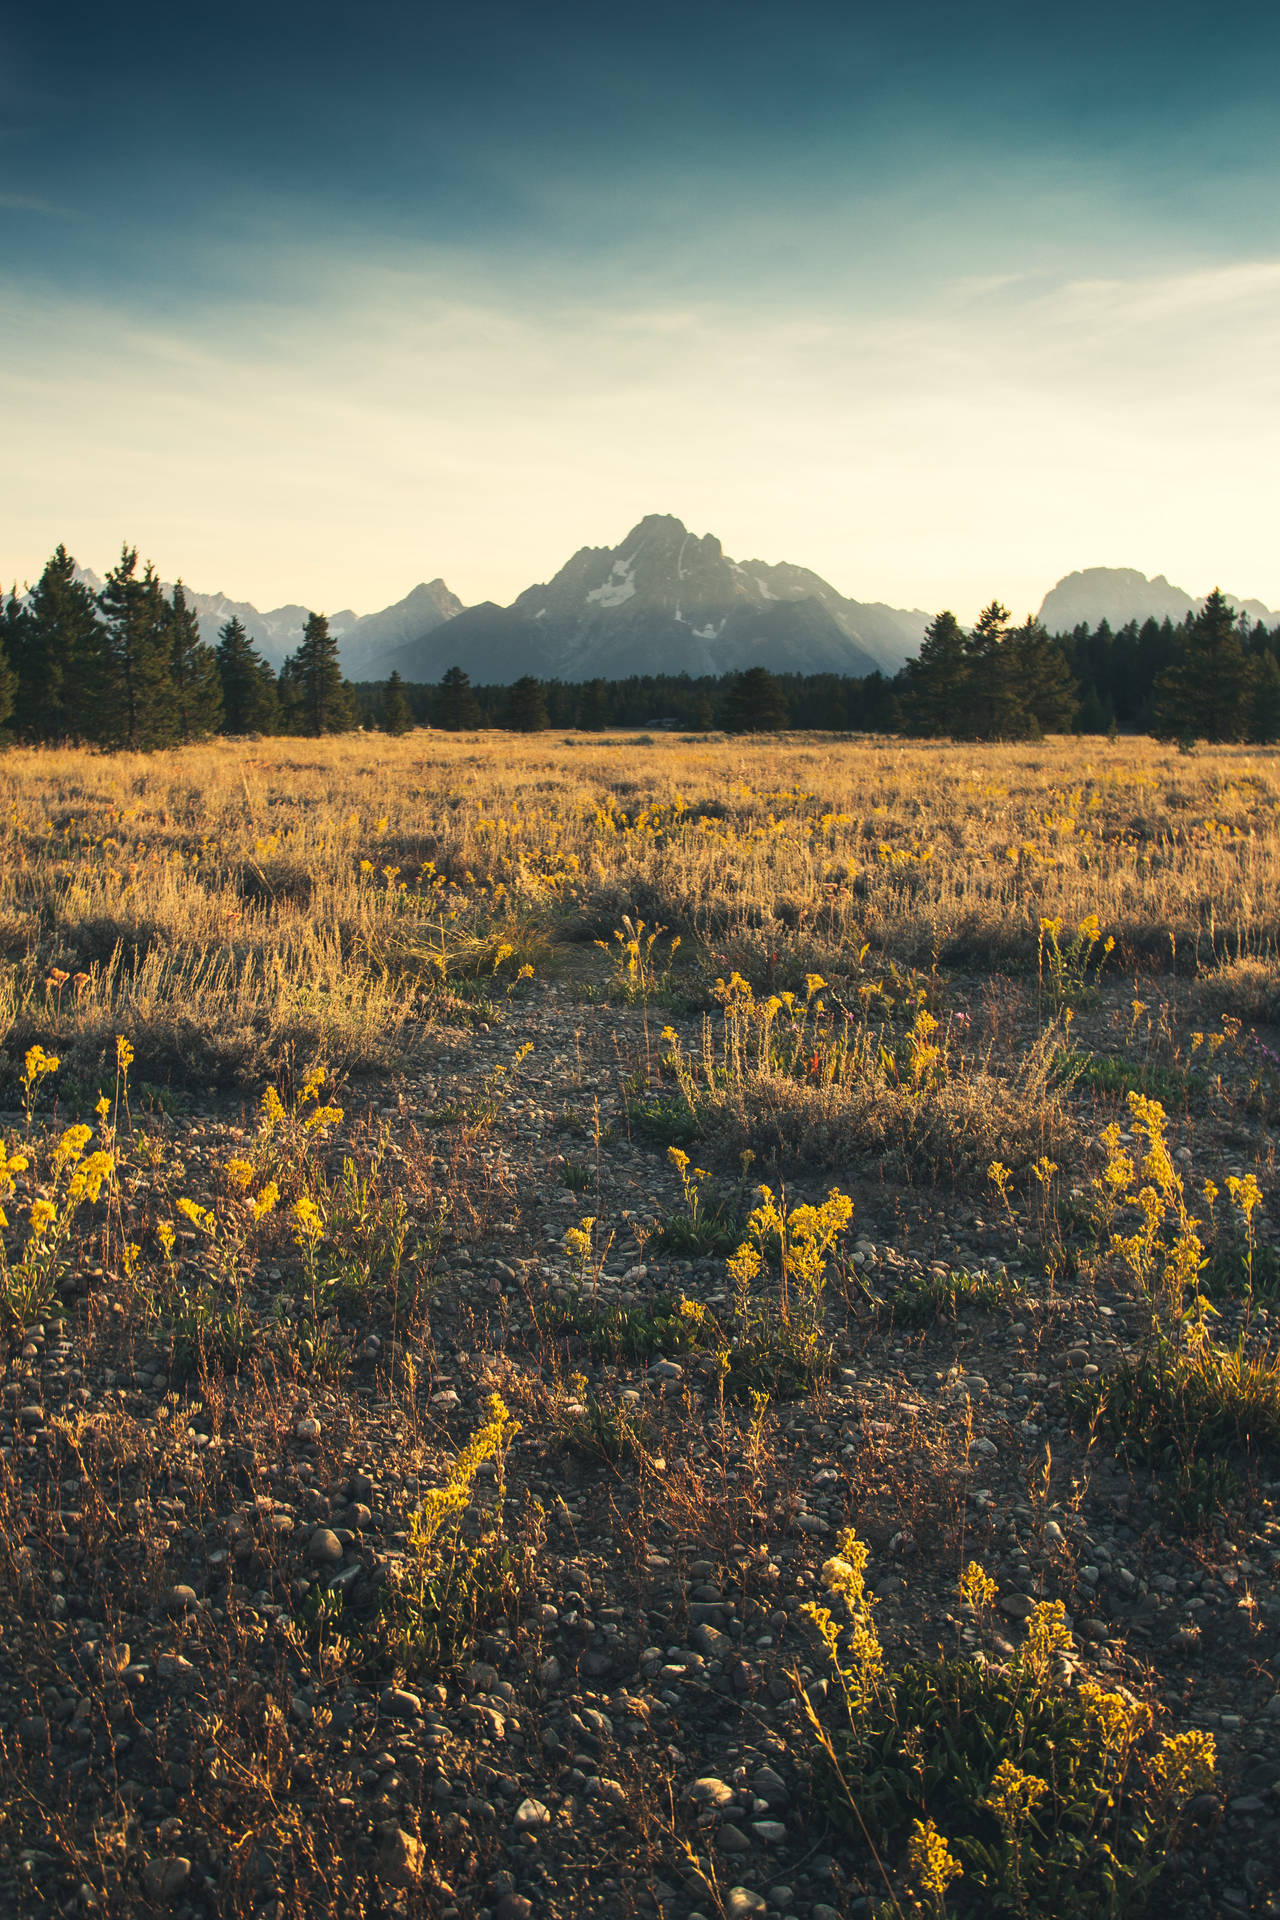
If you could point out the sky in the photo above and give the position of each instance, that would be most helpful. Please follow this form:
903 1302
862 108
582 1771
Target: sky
943 301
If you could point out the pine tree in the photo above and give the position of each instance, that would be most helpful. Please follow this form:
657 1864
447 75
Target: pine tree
323 700
1201 694
455 704
60 659
991 708
526 706
139 711
1262 725
396 717
755 703
12 615
592 711
250 703
193 668
938 678
1043 692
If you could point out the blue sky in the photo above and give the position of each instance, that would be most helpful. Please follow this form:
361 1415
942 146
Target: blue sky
941 300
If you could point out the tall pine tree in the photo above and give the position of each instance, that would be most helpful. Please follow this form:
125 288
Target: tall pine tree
937 679
991 709
312 681
193 669
1044 694
526 706
61 661
139 710
250 703
455 703
396 717
755 703
1201 694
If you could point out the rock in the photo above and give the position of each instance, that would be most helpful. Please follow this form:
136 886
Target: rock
165 1879
32 1417
324 1549
401 1857
711 1792
821 1911
710 1641
549 1672
772 1832
732 1840
175 1670
740 1903
307 1429
531 1813
1016 1605
401 1704
770 1787
180 1600
513 1906
481 1677
666 1370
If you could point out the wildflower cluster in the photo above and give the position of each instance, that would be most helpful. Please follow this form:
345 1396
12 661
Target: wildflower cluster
1048 1798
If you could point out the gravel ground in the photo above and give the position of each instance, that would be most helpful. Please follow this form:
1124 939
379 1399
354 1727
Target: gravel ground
176 1741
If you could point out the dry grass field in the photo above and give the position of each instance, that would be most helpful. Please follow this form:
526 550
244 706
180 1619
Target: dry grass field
623 1325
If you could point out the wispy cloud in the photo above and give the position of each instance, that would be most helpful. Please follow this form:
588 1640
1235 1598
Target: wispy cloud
986 439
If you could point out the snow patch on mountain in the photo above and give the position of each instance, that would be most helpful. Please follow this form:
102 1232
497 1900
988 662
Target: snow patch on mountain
619 587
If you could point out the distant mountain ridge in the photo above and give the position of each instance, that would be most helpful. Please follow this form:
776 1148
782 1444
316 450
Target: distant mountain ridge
1120 594
666 600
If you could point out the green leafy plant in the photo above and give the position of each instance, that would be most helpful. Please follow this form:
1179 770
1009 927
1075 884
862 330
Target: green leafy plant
709 1223
922 1297
1055 1798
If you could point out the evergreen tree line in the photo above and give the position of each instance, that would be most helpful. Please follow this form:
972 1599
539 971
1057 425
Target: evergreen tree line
1215 677
125 667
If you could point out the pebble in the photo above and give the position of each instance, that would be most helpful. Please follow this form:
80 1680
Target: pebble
741 1902
175 1670
401 1857
324 1547
307 1429
401 1704
770 1787
711 1792
531 1813
165 1879
180 1599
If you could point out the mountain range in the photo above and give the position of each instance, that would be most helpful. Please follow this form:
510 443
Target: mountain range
1119 594
664 600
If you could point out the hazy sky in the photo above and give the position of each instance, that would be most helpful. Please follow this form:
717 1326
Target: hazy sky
941 300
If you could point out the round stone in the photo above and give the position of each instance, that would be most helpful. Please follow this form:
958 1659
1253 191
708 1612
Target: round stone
324 1548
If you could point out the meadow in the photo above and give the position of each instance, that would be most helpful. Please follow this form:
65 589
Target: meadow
625 1324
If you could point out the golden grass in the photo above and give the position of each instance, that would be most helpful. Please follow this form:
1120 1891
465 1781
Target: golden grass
293 893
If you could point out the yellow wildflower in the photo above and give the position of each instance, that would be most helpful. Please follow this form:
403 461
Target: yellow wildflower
266 1200
933 1867
977 1587
1013 1795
